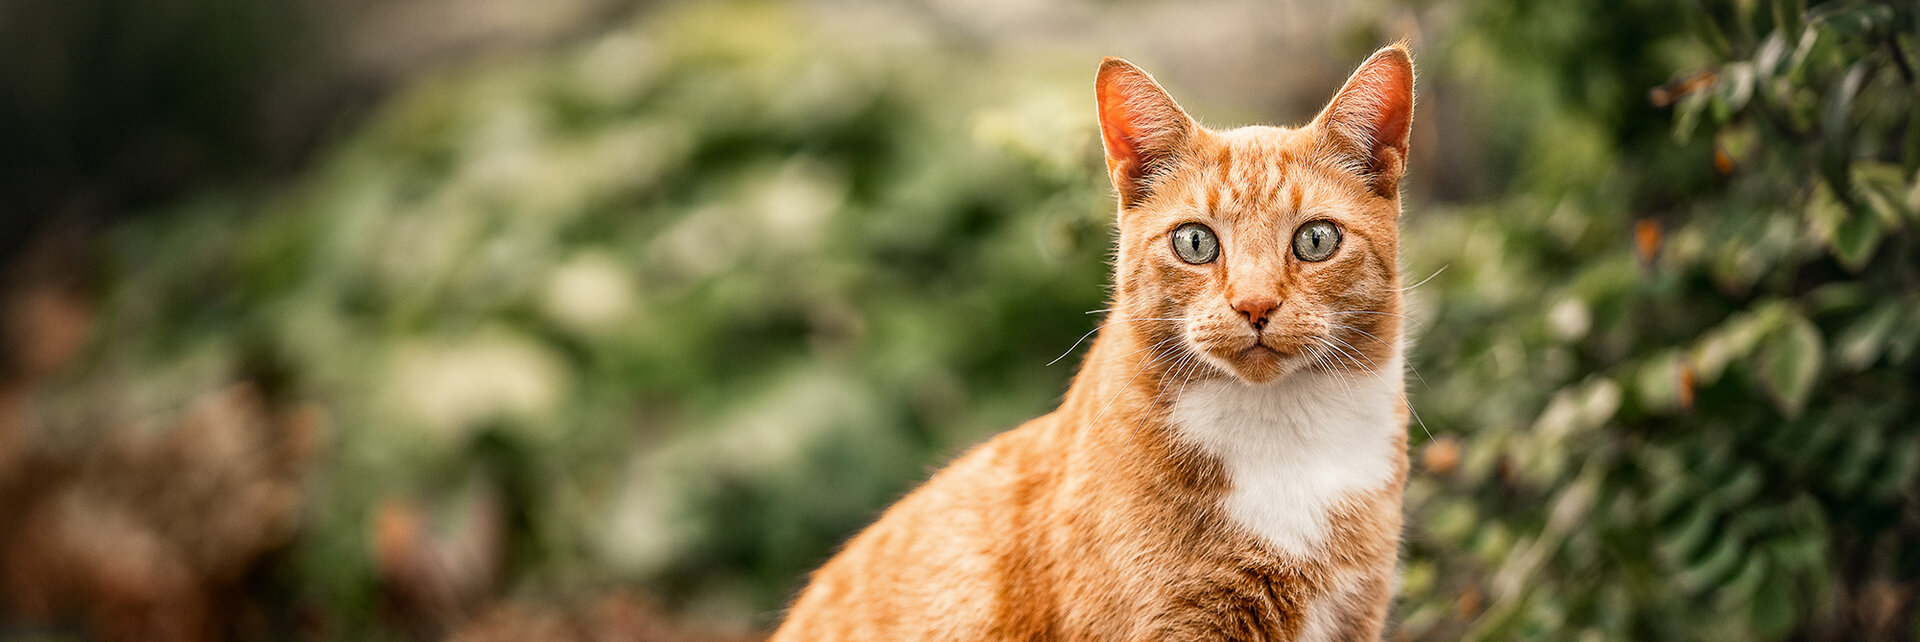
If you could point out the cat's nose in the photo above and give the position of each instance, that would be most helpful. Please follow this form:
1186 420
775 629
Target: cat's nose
1256 310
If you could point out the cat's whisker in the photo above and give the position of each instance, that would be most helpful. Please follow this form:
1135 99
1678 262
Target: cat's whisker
1346 382
1409 365
1083 338
1130 306
1077 342
1356 349
1141 369
1386 314
1424 281
1335 360
1186 359
1404 401
1356 352
1182 360
1151 347
1195 371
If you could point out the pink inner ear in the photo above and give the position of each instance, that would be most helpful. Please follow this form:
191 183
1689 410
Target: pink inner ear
1395 113
1140 125
1116 125
1374 113
1128 114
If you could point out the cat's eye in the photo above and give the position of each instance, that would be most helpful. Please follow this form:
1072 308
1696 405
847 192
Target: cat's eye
1316 241
1195 244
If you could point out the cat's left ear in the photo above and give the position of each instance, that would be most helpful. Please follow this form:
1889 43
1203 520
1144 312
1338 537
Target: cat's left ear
1367 124
1141 127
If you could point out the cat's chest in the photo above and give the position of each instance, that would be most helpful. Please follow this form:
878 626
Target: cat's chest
1295 448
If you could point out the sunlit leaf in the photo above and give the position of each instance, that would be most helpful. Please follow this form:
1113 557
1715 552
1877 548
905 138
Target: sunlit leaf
1790 363
1861 343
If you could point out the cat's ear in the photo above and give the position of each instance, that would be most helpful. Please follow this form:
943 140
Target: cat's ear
1140 125
1367 124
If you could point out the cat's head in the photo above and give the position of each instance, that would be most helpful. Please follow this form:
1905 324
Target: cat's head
1257 252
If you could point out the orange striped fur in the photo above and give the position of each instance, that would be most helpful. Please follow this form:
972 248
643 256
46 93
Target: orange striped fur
1229 460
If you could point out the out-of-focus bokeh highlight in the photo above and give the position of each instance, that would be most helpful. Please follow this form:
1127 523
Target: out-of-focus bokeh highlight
605 319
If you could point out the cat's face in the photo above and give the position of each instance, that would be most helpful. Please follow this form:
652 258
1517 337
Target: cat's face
1262 251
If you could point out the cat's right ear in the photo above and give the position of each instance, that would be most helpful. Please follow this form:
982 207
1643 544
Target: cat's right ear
1141 127
1369 121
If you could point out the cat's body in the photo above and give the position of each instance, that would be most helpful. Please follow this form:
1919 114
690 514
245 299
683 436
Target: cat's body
1228 463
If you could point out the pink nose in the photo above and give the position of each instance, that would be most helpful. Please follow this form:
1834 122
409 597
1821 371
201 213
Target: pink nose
1256 310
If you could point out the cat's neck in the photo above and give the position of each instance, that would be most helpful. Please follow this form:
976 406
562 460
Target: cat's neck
1294 448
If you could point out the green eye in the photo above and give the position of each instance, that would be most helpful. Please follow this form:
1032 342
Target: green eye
1195 244
1316 241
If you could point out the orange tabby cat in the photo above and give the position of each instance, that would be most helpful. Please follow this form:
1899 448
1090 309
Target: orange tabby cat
1228 463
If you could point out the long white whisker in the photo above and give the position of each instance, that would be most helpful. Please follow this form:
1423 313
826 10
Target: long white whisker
1142 369
1401 393
1181 360
1384 314
1083 338
1410 368
1162 342
1077 342
1357 352
1424 281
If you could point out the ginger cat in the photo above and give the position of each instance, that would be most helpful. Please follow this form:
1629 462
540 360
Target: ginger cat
1228 463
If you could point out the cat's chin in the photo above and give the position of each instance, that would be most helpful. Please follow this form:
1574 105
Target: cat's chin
1259 364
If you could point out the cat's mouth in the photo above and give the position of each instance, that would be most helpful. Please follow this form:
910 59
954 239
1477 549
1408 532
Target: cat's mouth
1260 360
1259 350
1254 355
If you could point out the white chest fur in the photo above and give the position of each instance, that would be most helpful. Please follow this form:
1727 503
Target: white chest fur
1294 447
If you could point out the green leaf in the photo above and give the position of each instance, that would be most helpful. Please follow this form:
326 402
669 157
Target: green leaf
1660 383
1865 340
1741 587
1687 114
1850 235
1790 363
1857 21
1711 569
1837 126
1735 89
1734 340
1741 488
1883 189
1681 543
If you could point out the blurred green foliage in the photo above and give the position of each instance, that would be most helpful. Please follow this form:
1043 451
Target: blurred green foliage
693 300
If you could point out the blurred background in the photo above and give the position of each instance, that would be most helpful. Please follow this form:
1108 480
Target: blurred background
609 319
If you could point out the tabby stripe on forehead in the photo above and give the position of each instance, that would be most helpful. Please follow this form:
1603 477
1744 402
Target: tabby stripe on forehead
1222 163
